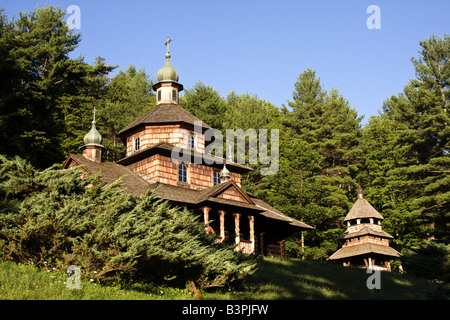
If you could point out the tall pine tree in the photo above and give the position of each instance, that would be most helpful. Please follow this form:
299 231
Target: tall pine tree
422 140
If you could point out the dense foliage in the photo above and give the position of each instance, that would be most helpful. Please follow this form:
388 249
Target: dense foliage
54 218
400 157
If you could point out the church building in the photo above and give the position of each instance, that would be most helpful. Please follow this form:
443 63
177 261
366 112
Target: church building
210 188
365 244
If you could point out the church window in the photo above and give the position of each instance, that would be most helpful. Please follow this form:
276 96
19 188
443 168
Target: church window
182 173
217 178
137 143
159 95
191 142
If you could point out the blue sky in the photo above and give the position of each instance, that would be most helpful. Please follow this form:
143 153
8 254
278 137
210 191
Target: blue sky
261 47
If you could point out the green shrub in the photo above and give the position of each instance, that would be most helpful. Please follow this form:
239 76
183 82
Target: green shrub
54 218
429 260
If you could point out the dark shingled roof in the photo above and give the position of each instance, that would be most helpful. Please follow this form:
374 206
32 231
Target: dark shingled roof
131 183
190 196
364 248
362 209
365 231
164 113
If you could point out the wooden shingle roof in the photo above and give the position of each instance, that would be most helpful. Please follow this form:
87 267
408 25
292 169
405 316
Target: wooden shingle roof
362 209
164 113
191 196
364 248
365 231
133 183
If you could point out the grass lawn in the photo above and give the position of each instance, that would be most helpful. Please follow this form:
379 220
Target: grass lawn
275 279
294 279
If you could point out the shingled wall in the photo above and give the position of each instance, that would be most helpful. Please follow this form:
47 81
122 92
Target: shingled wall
173 134
158 168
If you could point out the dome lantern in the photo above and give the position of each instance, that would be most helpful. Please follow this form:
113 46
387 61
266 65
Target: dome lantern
167 88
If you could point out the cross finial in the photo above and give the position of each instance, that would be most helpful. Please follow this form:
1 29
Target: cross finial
360 192
167 43
94 111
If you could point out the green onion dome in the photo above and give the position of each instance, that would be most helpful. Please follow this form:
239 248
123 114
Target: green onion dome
93 137
167 71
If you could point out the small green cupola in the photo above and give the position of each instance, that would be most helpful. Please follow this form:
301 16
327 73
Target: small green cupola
167 71
167 88
93 137
93 147
224 174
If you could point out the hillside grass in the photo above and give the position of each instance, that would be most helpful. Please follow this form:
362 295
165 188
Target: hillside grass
275 279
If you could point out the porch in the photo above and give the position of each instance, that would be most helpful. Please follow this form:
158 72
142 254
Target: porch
241 226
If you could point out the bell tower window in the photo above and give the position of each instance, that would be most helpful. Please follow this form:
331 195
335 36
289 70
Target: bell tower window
174 95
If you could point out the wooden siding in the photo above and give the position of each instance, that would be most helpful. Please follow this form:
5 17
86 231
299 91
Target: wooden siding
174 134
158 168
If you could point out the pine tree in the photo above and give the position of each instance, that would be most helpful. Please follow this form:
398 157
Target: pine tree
205 103
423 138
48 92
319 163
128 95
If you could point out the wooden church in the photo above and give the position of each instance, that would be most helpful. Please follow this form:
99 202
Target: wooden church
210 188
365 244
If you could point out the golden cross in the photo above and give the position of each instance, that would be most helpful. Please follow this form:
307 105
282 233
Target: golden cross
167 43
95 110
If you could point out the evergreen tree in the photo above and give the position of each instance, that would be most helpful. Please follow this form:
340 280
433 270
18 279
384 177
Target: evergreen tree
422 140
325 130
42 99
129 95
205 103
381 155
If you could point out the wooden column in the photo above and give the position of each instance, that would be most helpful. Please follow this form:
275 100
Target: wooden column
387 265
206 211
251 220
236 229
261 243
222 223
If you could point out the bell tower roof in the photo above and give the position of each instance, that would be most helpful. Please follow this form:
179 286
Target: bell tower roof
362 209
